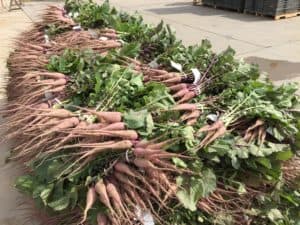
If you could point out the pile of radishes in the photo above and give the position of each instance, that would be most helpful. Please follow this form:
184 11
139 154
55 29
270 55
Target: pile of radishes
138 174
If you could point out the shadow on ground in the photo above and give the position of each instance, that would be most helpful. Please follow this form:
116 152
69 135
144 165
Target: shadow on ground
187 7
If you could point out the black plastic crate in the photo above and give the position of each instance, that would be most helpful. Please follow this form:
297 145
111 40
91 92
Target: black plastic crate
209 2
292 6
274 7
254 6
237 5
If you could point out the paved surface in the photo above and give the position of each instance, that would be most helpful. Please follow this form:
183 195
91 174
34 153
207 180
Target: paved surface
11 24
12 211
274 45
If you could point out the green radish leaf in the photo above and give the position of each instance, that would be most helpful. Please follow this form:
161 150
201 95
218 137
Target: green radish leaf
242 188
130 50
195 188
285 155
265 162
149 124
73 197
60 204
25 184
137 81
210 180
136 120
274 215
179 162
190 198
46 193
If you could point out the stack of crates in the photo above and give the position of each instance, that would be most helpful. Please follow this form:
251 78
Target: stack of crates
293 6
272 7
275 8
237 5
254 6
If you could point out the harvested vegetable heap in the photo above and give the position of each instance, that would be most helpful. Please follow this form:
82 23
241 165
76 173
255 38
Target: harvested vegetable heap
117 122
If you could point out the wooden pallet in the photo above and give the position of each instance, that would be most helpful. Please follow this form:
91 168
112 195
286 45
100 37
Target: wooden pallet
286 15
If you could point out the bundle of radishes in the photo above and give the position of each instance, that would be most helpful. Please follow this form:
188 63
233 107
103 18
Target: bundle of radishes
110 139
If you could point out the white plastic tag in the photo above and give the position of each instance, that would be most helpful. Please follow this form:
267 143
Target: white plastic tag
103 38
46 37
197 75
76 14
212 117
176 66
77 28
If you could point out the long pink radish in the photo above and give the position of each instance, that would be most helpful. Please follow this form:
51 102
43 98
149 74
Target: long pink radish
181 93
164 77
185 107
110 117
191 122
178 87
58 82
95 126
173 80
191 115
115 126
257 124
66 123
219 133
161 145
145 152
44 74
117 146
143 163
160 72
124 168
188 96
58 113
134 196
115 196
90 200
125 134
103 196
102 219
216 125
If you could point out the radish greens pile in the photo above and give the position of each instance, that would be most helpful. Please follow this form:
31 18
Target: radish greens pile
231 159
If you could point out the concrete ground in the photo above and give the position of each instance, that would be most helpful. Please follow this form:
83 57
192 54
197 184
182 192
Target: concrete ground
12 211
11 24
274 45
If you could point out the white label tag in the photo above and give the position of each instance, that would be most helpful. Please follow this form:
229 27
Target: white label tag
176 66
103 38
76 14
197 75
77 28
46 37
212 117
